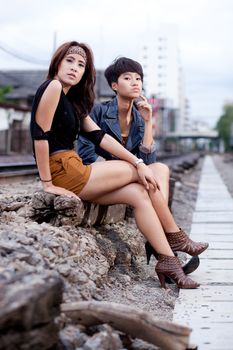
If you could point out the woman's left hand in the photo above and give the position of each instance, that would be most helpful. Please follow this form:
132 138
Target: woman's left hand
144 108
146 176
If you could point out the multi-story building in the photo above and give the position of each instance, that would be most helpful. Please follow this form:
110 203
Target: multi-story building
164 77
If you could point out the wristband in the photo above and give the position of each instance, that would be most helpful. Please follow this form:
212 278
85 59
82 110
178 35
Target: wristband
45 180
138 161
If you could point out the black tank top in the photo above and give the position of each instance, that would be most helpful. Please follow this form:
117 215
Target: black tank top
65 126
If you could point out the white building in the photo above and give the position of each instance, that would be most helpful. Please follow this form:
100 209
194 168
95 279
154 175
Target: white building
163 73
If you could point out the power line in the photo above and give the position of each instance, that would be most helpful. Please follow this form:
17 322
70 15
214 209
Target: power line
22 56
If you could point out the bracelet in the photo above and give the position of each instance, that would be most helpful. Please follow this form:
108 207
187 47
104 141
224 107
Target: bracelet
45 180
138 161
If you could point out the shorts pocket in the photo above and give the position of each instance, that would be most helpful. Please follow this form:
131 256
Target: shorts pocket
56 167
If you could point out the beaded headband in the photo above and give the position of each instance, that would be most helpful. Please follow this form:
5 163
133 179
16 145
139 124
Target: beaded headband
78 50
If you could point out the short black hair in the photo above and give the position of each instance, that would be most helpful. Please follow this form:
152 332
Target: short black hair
122 65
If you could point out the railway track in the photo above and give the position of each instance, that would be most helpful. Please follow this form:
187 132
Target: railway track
21 170
18 171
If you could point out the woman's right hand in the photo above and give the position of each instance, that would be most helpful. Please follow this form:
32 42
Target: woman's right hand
60 191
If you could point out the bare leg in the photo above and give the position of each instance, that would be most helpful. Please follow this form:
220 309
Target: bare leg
108 176
162 174
112 175
163 211
147 220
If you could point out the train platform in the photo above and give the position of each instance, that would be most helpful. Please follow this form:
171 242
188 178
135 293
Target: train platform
208 310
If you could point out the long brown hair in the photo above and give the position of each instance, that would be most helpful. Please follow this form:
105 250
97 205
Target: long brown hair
81 95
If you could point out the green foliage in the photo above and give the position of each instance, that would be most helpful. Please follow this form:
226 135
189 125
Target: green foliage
3 91
225 126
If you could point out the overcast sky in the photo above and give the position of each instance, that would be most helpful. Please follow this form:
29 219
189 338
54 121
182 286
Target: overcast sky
120 27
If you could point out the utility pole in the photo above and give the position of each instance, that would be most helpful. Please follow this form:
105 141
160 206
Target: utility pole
54 42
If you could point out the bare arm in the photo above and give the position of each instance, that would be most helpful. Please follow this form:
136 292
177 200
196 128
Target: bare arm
148 138
145 110
109 144
112 146
44 118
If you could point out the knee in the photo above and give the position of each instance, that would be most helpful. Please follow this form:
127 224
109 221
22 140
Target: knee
165 169
140 194
162 169
141 191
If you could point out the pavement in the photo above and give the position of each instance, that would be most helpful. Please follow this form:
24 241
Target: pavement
208 310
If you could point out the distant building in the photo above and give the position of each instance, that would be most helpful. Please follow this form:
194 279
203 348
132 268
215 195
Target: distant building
26 82
164 77
14 129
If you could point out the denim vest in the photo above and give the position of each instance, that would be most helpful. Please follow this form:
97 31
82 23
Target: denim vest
105 115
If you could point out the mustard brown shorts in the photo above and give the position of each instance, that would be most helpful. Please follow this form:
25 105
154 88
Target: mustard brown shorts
68 171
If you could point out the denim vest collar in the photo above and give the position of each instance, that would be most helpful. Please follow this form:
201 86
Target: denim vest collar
112 120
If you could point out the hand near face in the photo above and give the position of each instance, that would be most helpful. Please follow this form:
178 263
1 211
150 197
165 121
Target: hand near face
144 108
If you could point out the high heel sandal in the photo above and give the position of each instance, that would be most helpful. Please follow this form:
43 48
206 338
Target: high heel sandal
179 241
188 268
169 266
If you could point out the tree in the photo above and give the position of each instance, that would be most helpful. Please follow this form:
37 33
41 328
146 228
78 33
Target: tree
225 126
3 91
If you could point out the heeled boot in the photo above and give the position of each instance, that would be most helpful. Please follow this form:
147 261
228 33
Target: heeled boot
169 266
179 241
150 251
188 268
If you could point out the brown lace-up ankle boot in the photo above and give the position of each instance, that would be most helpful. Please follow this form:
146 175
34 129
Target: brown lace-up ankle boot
179 241
169 266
